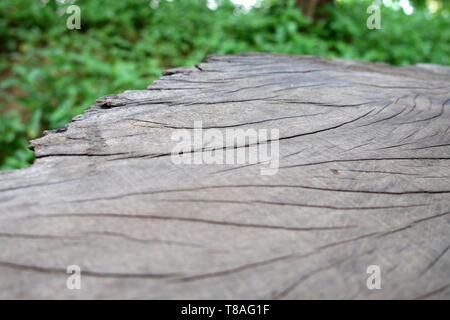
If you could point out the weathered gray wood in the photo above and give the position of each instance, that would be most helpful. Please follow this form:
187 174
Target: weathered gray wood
363 180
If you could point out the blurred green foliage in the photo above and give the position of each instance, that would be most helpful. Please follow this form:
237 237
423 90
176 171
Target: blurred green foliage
49 74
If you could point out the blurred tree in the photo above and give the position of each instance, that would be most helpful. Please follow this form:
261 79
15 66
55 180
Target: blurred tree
418 3
309 7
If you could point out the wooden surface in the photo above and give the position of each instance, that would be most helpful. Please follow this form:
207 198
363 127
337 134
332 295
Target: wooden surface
363 180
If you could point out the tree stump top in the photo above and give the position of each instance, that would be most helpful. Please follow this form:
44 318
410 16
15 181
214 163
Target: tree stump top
363 180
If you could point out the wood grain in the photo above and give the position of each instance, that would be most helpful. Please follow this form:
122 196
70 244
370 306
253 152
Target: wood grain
363 180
